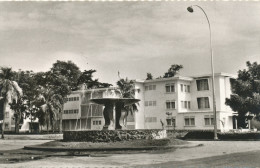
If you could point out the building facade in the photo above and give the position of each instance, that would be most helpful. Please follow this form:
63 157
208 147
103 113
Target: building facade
81 114
184 103
9 123
172 103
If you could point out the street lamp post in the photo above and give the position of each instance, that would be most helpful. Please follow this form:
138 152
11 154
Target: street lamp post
190 9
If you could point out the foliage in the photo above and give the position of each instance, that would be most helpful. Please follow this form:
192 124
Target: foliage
246 88
87 78
172 71
149 76
9 91
68 70
127 90
19 107
45 91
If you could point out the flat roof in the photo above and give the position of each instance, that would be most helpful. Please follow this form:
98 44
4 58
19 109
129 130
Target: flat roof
185 78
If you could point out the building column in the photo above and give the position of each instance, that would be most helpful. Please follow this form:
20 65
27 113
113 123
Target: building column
236 122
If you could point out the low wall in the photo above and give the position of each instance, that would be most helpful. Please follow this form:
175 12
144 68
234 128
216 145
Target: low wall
112 135
209 135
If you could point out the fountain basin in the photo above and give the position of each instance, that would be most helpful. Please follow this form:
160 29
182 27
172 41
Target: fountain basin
113 135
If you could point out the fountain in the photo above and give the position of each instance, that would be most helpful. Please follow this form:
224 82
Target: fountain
113 130
112 112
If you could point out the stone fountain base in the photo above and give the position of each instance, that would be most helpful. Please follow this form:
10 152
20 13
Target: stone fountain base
113 135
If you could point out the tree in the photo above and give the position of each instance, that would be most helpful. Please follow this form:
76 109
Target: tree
53 88
86 77
69 70
63 78
9 91
127 90
246 88
172 71
50 107
19 108
149 76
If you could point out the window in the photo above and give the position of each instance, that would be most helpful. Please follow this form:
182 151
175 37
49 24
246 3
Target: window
170 122
170 104
150 87
169 88
72 99
98 122
150 119
185 88
189 121
202 84
209 120
75 111
185 104
150 103
203 102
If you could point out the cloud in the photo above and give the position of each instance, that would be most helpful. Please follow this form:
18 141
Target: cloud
134 37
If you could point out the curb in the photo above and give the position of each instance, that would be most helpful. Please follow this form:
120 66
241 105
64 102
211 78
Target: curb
96 149
57 149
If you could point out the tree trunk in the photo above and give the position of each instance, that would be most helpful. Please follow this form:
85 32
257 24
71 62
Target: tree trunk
61 118
16 125
48 127
17 122
3 124
52 126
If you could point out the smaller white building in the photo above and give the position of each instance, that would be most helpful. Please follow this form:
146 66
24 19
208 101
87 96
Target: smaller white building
184 103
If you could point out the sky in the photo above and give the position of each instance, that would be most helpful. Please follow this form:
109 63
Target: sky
133 38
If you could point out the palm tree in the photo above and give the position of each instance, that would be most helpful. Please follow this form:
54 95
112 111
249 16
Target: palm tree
51 107
127 90
9 91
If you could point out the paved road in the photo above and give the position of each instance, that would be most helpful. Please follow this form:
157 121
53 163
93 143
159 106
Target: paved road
237 160
210 154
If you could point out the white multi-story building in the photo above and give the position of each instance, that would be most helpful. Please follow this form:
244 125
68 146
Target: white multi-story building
175 103
184 103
